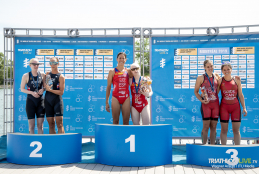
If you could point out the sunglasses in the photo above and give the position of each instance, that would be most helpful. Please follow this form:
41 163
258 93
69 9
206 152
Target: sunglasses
133 69
225 63
53 63
35 64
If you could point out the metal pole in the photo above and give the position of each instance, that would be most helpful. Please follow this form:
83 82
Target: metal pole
4 90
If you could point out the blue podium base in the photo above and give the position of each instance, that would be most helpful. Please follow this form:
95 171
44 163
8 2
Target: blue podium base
121 145
220 156
43 149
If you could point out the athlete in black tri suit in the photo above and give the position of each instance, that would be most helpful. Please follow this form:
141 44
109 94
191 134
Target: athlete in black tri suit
53 99
34 102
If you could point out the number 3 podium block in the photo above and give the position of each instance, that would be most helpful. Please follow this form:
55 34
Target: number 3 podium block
44 149
121 145
220 156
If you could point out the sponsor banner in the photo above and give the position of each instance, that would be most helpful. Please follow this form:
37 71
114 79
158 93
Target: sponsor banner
85 63
177 71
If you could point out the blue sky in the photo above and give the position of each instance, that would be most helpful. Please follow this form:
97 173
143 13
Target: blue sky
125 13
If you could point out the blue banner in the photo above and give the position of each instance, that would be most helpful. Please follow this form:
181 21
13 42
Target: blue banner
85 63
176 62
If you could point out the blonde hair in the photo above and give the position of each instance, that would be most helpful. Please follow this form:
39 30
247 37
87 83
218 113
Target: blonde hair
134 64
54 58
34 59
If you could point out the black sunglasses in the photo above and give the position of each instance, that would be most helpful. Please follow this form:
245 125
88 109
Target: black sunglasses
133 69
34 64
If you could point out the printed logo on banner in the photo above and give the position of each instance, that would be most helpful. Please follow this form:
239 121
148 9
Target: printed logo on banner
103 88
67 127
126 51
256 119
182 118
181 99
194 98
195 129
244 129
162 63
89 98
67 108
255 99
89 118
21 108
160 98
91 108
22 128
26 63
79 118
159 108
91 88
195 108
79 98
102 108
91 128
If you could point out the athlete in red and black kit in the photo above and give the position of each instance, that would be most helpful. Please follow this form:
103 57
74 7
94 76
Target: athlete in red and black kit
210 102
119 77
231 91
139 97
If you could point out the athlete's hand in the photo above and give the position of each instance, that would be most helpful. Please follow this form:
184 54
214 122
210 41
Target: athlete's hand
205 101
35 94
244 112
237 77
107 107
41 91
146 94
48 88
217 76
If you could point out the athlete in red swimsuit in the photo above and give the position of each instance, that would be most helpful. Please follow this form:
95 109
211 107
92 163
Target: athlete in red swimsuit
210 103
231 91
139 101
119 77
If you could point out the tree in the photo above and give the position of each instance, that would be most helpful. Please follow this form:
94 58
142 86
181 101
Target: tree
1 68
8 69
140 55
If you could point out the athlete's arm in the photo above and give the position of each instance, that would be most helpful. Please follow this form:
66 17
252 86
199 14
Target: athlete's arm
219 83
241 96
197 88
43 80
130 81
25 79
129 73
59 91
108 89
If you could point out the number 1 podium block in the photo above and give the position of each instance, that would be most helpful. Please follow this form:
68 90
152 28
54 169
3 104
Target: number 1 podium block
222 156
129 145
44 149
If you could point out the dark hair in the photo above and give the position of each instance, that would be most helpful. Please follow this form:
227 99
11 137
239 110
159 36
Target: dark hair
206 61
120 54
226 64
55 58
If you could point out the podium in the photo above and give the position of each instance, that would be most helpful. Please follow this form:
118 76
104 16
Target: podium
43 149
223 156
130 145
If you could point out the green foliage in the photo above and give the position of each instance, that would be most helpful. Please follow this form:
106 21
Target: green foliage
146 56
8 69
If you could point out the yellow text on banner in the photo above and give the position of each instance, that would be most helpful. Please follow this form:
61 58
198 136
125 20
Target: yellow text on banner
65 52
84 52
104 52
45 52
243 50
186 51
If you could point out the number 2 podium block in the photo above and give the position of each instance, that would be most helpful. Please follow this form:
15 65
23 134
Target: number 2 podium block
44 149
220 156
129 145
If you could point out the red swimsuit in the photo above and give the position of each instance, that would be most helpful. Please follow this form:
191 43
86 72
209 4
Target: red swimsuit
210 111
139 101
120 85
229 103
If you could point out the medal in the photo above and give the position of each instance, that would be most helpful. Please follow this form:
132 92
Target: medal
36 86
136 98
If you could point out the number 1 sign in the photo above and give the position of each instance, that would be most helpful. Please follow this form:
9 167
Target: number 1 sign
133 145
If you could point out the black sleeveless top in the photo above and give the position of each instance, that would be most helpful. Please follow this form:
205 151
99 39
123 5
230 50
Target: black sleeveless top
32 85
55 80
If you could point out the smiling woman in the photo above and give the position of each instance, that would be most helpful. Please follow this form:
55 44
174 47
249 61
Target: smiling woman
119 77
